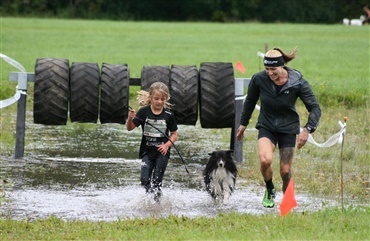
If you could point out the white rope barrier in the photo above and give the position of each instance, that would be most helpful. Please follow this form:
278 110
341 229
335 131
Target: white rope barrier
17 95
12 100
13 62
331 141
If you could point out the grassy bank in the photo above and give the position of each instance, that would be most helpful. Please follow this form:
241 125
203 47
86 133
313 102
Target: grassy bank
333 224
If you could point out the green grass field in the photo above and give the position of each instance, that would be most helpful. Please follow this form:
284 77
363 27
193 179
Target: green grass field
333 58
323 225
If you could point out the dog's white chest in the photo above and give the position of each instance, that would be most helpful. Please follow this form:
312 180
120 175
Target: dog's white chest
220 174
222 184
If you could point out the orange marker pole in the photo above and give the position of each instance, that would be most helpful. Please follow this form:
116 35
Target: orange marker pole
289 202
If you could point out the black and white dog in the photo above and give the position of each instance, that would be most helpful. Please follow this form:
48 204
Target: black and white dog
220 176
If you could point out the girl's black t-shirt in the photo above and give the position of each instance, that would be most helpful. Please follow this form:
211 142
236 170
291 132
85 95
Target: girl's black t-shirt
164 123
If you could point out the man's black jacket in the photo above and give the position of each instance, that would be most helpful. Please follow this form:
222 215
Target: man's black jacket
278 112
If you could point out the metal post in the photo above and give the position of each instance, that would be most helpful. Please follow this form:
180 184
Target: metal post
21 116
238 145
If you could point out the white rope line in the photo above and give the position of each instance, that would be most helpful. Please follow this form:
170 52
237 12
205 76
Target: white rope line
17 95
332 140
13 62
12 100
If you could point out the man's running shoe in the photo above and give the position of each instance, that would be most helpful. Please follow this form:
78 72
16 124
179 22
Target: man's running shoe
268 198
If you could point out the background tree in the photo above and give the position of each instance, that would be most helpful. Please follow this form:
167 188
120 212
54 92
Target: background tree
304 11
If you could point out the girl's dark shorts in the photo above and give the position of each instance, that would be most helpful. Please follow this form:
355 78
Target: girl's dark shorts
283 139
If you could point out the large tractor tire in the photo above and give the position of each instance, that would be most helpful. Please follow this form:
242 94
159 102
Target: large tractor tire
184 94
84 90
151 74
50 104
217 95
114 97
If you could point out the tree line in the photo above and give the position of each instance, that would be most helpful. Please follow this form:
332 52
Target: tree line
293 11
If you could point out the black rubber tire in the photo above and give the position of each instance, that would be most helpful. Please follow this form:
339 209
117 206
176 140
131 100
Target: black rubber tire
151 74
184 94
50 102
114 93
217 95
84 92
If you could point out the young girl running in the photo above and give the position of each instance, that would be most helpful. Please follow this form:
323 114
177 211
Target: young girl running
159 129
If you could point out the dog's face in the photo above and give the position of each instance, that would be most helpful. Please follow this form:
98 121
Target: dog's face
220 158
220 163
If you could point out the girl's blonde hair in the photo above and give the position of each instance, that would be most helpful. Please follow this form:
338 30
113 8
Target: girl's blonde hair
144 97
277 52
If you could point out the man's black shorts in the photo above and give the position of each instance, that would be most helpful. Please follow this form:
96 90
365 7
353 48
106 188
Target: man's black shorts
283 139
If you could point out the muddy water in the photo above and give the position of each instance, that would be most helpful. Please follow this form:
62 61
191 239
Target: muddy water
91 172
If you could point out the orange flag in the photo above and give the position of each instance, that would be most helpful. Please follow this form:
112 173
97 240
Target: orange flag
288 202
239 66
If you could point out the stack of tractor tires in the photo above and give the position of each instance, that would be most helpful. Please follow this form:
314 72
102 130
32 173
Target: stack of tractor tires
89 94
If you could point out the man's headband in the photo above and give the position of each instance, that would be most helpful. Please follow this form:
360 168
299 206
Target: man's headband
273 61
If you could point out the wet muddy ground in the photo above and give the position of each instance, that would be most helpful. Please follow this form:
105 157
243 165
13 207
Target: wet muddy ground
91 172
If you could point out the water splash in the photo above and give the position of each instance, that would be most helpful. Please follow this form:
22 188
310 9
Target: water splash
91 172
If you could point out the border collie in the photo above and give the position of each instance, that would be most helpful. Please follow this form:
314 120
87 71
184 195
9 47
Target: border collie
220 176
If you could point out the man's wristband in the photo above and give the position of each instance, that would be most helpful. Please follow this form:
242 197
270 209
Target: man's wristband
309 129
